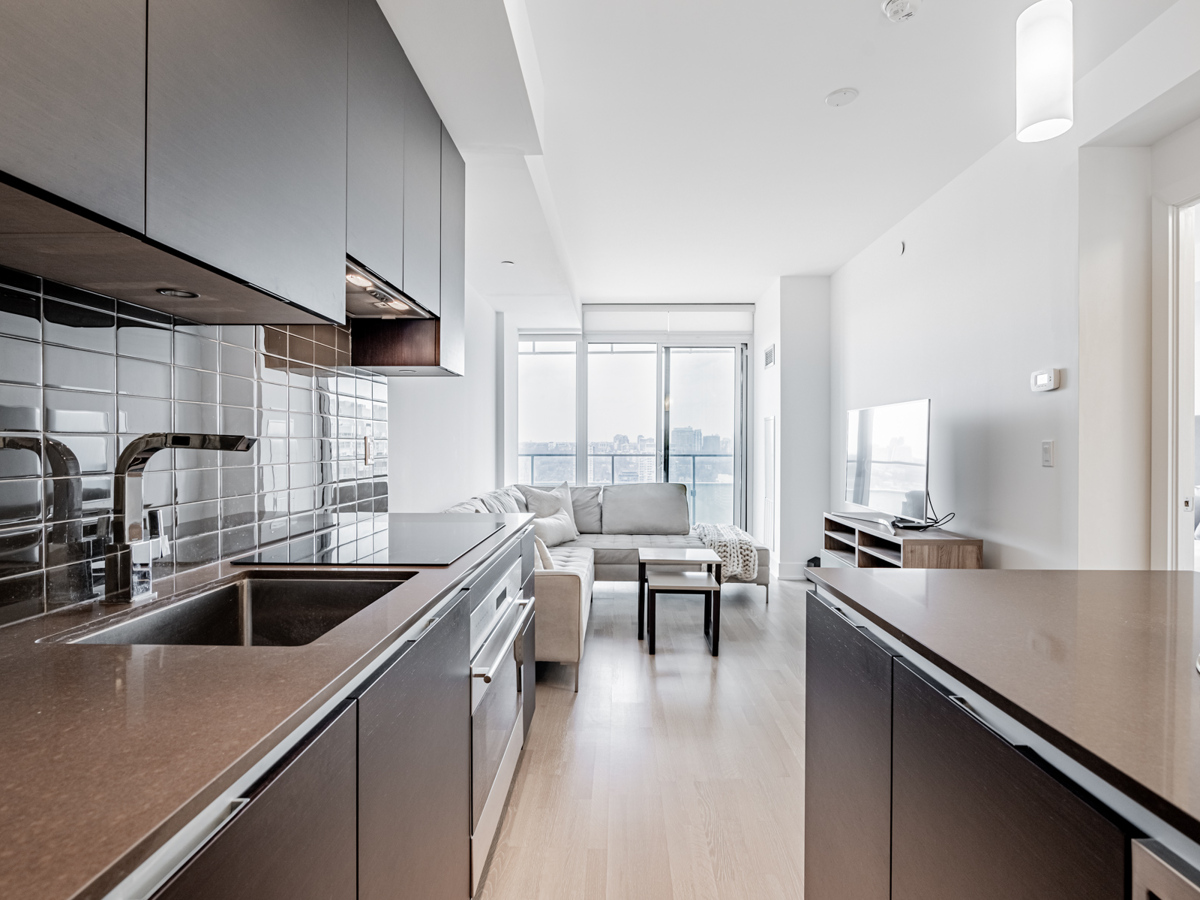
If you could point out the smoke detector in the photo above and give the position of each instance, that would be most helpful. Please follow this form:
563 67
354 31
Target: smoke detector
901 10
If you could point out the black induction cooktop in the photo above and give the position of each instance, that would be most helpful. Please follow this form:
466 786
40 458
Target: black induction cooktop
395 540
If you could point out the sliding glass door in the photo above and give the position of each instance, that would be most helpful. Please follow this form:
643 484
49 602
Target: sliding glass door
701 414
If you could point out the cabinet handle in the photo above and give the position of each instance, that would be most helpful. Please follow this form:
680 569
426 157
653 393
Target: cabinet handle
1157 872
961 703
432 621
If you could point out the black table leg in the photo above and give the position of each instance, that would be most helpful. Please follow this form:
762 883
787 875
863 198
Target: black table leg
716 620
651 598
707 611
641 600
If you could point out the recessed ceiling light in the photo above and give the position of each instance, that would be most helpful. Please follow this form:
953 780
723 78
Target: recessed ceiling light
507 262
901 10
359 280
842 97
174 292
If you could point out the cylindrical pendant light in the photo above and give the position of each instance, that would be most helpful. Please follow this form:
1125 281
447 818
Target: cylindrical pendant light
1045 71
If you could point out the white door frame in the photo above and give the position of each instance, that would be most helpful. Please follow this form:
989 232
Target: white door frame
1173 403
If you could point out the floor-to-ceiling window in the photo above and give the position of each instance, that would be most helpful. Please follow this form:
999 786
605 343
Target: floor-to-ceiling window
546 390
622 413
621 405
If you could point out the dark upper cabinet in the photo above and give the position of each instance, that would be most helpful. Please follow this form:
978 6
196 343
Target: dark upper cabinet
380 78
295 839
848 759
974 816
414 758
422 196
453 256
73 102
246 141
426 346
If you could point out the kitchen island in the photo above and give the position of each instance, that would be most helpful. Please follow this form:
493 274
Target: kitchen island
999 732
116 750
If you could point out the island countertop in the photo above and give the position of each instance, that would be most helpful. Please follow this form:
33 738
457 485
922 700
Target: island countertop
106 751
1100 664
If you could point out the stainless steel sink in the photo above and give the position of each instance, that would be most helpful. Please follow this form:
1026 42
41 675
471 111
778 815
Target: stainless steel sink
255 611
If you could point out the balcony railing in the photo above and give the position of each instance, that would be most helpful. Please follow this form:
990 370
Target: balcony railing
709 500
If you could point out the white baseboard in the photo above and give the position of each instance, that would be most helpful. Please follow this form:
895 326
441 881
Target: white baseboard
791 571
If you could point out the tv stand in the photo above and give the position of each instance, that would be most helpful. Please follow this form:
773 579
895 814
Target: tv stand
869 544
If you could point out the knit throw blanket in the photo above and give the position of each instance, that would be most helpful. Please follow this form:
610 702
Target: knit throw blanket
734 546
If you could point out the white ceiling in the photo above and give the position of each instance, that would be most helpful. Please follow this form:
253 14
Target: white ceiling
688 153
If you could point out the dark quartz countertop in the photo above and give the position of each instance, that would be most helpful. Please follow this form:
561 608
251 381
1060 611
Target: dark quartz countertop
1102 665
107 750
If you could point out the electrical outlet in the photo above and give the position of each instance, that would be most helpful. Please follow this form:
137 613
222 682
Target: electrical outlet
1048 454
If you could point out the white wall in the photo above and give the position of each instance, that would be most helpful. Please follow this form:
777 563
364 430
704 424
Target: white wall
793 315
442 431
1114 357
987 292
766 405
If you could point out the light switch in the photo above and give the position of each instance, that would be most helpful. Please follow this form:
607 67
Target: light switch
1048 454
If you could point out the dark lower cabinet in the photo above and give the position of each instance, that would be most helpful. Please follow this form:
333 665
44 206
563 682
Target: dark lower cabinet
414 758
848 759
296 838
973 816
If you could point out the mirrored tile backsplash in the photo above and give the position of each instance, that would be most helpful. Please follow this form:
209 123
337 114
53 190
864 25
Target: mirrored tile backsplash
81 375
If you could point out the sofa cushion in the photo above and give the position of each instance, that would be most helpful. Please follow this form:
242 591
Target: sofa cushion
518 498
618 549
586 501
622 549
498 502
645 509
467 506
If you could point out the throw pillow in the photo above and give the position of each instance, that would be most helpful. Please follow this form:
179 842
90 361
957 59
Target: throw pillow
586 504
552 523
465 507
563 493
545 561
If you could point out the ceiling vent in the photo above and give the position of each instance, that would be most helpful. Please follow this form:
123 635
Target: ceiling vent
769 357
901 10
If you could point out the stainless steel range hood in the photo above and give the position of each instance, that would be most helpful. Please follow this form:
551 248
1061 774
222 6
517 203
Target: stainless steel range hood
45 236
370 297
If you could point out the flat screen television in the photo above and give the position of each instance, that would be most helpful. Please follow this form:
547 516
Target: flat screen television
887 459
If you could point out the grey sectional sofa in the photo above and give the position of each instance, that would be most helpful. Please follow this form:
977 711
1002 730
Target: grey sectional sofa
613 521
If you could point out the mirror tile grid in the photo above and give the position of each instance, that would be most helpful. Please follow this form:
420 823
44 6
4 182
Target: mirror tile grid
81 375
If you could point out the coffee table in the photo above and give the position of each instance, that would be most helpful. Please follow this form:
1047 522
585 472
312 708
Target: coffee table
665 570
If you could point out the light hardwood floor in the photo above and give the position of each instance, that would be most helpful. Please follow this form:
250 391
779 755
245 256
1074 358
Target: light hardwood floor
673 776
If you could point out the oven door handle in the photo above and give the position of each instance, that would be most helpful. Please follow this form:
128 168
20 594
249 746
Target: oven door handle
526 607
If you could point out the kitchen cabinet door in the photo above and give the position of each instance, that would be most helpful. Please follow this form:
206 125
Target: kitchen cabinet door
848 759
246 142
422 196
454 257
379 77
974 816
73 102
414 759
295 839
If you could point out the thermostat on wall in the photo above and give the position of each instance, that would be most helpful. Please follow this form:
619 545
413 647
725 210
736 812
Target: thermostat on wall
1045 380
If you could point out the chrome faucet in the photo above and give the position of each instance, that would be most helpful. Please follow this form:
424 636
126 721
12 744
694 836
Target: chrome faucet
138 537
